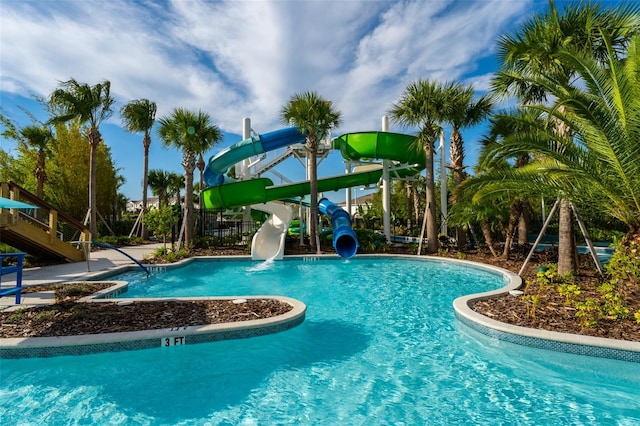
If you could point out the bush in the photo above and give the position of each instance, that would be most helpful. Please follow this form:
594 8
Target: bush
370 241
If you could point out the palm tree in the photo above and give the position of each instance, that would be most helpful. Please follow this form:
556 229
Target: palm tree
600 163
425 104
314 117
464 112
533 51
194 134
39 137
176 183
87 104
159 182
139 116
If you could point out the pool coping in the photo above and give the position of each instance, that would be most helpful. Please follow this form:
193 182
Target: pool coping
43 347
623 350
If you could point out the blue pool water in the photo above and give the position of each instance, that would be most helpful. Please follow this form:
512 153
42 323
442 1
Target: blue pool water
380 345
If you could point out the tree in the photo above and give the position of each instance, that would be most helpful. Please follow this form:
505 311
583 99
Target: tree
68 172
139 116
36 136
87 104
425 104
193 133
161 221
599 164
176 183
159 182
534 50
464 112
314 117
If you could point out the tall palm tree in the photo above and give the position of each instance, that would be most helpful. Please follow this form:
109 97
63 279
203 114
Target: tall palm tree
139 116
464 112
533 51
159 182
89 105
193 133
314 117
425 104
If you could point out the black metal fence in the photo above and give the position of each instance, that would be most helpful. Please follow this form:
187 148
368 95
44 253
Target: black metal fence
228 231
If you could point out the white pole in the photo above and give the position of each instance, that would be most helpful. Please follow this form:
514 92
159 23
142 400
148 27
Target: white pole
242 168
300 223
443 186
386 195
348 190
245 173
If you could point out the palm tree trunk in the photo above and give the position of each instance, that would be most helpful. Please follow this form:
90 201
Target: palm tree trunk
145 183
457 168
486 232
189 165
94 140
313 194
567 252
523 224
416 203
514 218
432 230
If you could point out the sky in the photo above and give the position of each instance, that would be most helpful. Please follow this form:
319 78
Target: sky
236 59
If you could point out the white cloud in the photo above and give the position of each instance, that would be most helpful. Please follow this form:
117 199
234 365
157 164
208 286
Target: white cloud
234 59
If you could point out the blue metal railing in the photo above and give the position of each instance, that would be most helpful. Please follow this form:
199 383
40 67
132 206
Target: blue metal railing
109 246
17 268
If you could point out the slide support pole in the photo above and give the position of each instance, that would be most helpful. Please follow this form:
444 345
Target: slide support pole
386 195
244 172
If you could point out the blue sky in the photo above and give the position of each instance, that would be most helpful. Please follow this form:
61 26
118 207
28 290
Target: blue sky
235 59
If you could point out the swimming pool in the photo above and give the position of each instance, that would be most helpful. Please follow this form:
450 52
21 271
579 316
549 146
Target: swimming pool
380 345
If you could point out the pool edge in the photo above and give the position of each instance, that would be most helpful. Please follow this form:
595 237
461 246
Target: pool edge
623 350
44 347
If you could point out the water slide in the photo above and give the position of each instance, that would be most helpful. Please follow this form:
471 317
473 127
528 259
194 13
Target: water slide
225 193
268 242
344 241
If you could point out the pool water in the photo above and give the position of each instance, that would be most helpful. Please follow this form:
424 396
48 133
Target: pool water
380 345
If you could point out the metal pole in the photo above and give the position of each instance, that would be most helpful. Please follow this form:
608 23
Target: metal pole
386 194
544 228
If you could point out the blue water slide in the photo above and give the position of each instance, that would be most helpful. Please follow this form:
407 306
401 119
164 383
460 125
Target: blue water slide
219 164
345 241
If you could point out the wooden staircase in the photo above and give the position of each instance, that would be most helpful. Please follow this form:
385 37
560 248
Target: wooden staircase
47 232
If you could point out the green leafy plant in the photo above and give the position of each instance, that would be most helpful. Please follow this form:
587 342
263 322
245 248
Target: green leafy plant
589 312
18 316
45 316
612 304
161 221
570 293
533 302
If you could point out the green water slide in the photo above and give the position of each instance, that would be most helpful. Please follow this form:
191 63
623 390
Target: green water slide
353 147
